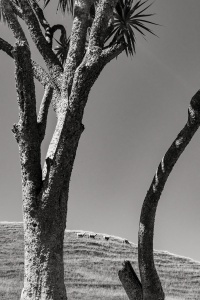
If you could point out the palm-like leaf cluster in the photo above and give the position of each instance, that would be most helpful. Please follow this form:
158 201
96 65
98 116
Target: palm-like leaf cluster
129 17
62 49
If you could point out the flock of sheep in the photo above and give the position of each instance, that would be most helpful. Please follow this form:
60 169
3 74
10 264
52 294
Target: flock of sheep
93 235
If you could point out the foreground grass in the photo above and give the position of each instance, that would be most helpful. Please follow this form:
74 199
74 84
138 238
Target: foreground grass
92 265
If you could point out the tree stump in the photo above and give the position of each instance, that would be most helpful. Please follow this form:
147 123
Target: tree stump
130 282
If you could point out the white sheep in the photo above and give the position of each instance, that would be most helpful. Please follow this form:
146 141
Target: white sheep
80 234
92 235
106 237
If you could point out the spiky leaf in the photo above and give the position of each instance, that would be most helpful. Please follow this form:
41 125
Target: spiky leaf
129 17
62 49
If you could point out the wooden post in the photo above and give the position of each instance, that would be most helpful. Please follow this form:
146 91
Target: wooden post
130 282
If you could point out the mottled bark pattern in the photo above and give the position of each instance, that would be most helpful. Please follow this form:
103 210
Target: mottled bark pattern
152 289
44 270
45 190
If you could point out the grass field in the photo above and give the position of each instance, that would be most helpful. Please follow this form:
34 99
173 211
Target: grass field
92 265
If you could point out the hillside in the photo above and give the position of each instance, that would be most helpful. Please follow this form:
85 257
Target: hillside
93 265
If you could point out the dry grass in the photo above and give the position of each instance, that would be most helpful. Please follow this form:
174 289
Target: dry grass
92 265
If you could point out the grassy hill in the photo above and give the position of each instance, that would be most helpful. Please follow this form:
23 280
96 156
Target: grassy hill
92 266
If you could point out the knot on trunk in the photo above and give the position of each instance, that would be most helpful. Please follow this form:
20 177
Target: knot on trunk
17 132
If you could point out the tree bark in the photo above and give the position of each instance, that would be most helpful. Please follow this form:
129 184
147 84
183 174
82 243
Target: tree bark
45 193
151 285
44 214
45 199
43 245
130 282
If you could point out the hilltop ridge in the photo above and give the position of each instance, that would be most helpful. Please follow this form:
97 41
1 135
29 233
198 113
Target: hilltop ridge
92 265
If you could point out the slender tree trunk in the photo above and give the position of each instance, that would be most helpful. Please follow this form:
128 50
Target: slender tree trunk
151 285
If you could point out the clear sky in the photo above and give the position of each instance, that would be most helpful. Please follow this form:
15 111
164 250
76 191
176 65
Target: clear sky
134 112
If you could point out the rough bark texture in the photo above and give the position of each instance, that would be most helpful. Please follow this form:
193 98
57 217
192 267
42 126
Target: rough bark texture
43 241
45 191
130 282
152 289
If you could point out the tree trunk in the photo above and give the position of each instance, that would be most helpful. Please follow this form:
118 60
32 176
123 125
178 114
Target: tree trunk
130 282
45 211
151 285
43 245
45 192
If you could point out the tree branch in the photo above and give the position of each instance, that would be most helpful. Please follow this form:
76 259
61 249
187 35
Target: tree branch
77 43
43 77
25 86
16 9
88 71
40 15
39 73
13 22
44 48
43 111
43 22
149 278
6 47
26 130
104 13
112 52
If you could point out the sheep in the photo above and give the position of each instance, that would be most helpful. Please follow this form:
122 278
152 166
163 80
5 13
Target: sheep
80 234
125 241
106 237
92 235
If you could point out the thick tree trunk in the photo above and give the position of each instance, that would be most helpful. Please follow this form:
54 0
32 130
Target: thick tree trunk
43 246
45 193
45 211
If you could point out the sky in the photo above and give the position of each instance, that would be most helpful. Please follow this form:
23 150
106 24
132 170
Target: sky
134 112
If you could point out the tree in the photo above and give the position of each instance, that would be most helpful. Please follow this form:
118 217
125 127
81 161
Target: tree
101 30
150 287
